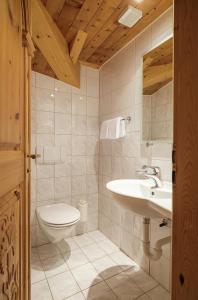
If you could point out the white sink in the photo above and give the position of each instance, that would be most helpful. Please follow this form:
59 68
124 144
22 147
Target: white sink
137 195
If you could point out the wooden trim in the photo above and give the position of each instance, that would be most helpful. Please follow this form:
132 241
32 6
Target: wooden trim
185 192
88 64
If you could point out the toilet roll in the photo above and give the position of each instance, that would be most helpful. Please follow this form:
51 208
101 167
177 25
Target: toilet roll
83 208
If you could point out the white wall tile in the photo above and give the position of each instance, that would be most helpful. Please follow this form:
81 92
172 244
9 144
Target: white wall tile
78 105
45 189
92 106
44 122
43 81
78 165
62 123
78 145
62 86
79 125
121 94
64 169
78 185
44 100
82 90
62 187
92 87
63 102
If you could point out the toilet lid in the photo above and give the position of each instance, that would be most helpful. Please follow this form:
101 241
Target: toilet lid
58 214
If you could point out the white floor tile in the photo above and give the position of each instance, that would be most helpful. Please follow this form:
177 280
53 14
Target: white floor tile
106 267
37 272
93 252
123 260
143 280
75 259
41 291
86 276
124 287
108 246
83 240
91 258
67 245
47 250
34 255
54 265
159 293
97 236
63 285
78 296
99 291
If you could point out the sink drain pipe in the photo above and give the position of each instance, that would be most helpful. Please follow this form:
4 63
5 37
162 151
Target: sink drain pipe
156 252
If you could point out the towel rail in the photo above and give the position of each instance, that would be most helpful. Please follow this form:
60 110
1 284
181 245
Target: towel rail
126 119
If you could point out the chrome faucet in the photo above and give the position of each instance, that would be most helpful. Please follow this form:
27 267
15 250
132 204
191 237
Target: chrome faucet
153 173
156 180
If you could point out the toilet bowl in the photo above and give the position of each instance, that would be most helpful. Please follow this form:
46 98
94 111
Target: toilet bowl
57 220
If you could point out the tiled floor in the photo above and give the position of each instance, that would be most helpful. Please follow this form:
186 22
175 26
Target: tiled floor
89 267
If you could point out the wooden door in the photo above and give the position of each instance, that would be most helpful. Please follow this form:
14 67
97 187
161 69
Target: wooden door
14 146
185 196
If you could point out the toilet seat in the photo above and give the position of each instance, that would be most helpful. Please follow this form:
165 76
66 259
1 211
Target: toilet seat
58 215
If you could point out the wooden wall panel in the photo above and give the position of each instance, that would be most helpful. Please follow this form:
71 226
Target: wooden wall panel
185 196
10 63
10 244
14 146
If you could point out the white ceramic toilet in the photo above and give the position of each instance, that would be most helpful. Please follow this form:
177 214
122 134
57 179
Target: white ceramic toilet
57 220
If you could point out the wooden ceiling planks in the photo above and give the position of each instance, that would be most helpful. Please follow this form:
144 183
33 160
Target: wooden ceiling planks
102 15
100 20
120 38
106 30
85 15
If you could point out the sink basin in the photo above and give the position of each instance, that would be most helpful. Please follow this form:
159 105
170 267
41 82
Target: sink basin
138 196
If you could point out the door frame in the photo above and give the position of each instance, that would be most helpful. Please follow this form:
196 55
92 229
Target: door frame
185 154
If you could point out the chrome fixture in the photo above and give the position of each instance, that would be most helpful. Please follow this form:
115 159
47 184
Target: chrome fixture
156 180
153 173
126 119
150 170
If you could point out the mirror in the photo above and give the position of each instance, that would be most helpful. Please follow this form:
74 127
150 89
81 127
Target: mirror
157 119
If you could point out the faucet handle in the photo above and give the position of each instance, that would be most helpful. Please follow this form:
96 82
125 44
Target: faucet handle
156 171
152 170
143 170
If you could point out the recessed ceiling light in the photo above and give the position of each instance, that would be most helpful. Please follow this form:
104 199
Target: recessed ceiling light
52 95
130 16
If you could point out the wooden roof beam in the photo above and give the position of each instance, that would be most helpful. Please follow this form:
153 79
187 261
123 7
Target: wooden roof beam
77 46
53 45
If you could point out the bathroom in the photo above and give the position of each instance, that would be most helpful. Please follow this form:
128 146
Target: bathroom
104 207
66 123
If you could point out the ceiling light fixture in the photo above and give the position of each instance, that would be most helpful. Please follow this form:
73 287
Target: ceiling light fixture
130 16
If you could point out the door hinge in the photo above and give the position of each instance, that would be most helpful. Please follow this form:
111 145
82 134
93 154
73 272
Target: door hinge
174 169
